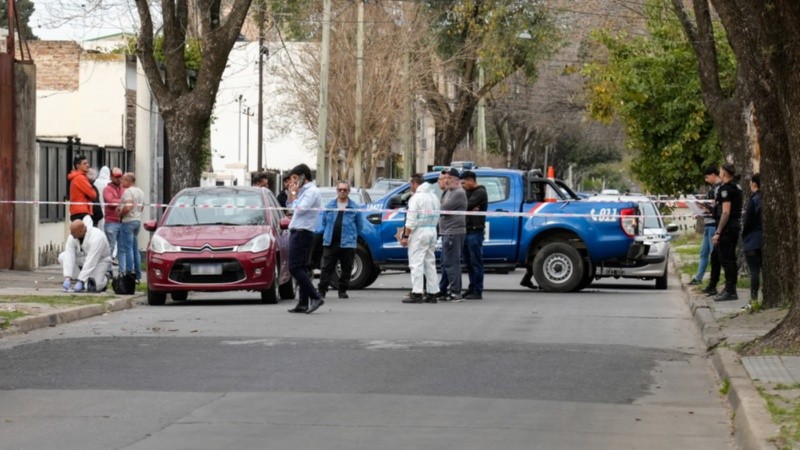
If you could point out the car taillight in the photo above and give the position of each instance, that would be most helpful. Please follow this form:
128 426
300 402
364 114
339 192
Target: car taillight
629 221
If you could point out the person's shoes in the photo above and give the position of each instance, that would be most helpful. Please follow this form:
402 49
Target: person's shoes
414 298
314 305
454 298
528 284
91 286
726 296
343 295
298 309
430 299
322 293
694 282
710 291
473 296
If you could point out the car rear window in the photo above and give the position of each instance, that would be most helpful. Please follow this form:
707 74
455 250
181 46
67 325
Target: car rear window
217 207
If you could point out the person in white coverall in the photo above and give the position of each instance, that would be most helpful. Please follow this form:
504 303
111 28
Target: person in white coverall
86 258
420 236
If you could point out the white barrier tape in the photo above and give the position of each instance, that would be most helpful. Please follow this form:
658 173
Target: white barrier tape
533 211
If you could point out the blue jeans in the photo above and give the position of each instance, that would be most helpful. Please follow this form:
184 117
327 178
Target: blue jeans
473 259
112 230
130 260
705 251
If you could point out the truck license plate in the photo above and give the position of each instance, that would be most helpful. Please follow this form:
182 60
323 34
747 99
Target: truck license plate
206 269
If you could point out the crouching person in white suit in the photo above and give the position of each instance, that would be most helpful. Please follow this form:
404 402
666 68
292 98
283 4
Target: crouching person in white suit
86 258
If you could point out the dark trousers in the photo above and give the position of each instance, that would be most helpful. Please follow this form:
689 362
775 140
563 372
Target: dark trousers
753 258
80 216
727 257
331 256
299 248
473 259
715 267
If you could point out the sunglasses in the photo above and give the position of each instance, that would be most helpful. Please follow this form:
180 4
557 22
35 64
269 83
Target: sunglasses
343 190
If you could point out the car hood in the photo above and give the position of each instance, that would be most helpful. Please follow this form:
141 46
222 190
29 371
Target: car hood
215 235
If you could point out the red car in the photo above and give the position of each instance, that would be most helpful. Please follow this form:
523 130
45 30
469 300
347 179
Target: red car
220 238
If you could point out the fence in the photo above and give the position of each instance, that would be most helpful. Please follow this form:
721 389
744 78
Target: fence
55 159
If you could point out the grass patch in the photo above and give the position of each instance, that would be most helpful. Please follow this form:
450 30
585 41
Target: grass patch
726 386
785 411
691 250
141 287
687 239
58 300
7 316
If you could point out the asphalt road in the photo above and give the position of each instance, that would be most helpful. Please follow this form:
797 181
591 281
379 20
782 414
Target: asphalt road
616 366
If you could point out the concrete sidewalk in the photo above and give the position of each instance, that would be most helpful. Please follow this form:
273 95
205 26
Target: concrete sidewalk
46 281
754 427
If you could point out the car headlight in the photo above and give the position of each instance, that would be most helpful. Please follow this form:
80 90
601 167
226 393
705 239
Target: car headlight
259 243
160 245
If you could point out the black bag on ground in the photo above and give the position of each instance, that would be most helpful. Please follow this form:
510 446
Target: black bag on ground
124 284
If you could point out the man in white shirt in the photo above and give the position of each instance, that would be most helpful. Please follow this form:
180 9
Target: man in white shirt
86 258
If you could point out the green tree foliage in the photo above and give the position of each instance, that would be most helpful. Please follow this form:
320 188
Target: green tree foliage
651 84
24 9
499 36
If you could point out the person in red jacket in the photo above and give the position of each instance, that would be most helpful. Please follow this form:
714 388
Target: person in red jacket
81 193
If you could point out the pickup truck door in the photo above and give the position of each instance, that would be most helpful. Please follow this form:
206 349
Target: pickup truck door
501 236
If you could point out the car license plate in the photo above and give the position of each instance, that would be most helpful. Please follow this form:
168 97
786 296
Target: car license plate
206 269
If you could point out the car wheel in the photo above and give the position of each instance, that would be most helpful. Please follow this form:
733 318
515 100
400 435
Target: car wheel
270 295
375 273
662 281
156 298
558 267
179 296
363 269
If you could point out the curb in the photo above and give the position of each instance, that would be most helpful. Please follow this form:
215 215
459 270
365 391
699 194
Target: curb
747 404
30 323
752 423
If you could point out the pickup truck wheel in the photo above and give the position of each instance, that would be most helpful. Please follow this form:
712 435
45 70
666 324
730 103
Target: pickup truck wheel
558 267
362 269
661 282
588 276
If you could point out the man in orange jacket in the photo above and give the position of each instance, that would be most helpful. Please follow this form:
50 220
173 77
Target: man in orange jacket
81 193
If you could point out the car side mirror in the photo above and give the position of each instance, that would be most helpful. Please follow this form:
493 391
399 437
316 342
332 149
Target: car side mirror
150 225
672 228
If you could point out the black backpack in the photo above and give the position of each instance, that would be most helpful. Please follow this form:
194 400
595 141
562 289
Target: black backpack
124 284
97 210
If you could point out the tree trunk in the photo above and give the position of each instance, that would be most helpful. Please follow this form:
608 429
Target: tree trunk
763 37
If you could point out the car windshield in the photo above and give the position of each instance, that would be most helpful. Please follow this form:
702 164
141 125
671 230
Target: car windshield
217 207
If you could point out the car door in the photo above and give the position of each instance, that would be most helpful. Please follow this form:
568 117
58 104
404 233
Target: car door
502 233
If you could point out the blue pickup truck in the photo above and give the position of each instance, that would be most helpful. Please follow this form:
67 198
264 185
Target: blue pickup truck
565 240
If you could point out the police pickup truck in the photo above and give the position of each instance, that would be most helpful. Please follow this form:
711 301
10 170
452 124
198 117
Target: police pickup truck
565 240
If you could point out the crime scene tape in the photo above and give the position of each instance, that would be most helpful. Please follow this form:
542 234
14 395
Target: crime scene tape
534 210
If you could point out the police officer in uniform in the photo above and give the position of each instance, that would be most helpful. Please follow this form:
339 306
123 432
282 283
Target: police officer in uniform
728 209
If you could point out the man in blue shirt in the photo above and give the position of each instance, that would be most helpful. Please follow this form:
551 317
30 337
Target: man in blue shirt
304 199
339 225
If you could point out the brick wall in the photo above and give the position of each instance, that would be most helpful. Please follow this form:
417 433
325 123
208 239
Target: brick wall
57 64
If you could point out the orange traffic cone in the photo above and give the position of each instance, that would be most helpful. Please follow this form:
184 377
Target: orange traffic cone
549 192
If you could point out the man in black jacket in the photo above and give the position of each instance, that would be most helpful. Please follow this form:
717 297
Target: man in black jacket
477 201
728 212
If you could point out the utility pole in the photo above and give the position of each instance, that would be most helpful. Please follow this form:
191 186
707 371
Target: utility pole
322 130
247 146
261 51
239 137
357 175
